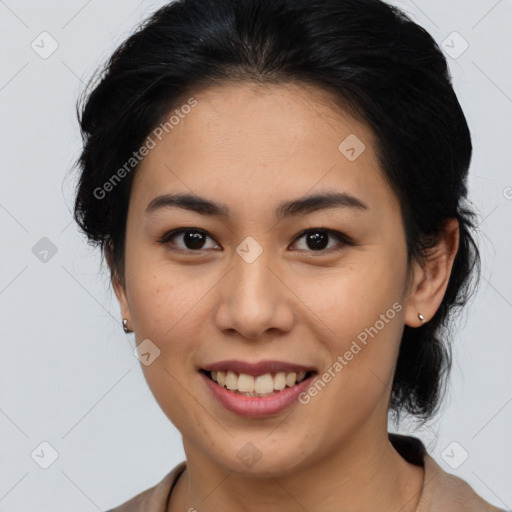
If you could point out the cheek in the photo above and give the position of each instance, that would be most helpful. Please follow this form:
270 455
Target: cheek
361 306
163 297
352 298
163 307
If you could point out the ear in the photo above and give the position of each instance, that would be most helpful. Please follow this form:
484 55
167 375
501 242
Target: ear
119 286
430 280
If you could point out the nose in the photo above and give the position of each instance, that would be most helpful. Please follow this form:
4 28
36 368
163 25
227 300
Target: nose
254 301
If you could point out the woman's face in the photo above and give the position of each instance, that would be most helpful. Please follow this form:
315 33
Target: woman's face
251 286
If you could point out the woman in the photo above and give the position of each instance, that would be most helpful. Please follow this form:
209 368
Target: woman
278 187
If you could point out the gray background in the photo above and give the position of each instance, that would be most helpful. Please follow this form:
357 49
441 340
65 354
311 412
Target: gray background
68 374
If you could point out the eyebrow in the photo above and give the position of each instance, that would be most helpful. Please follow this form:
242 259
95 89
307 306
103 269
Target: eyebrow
300 206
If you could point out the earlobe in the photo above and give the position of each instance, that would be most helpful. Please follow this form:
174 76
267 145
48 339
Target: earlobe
413 307
431 278
119 290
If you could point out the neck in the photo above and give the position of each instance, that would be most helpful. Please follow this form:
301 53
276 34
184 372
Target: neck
366 473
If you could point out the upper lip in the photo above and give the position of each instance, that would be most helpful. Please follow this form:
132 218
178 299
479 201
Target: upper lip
255 369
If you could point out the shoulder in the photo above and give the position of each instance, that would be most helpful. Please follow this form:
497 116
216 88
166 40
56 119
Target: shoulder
449 492
442 491
155 498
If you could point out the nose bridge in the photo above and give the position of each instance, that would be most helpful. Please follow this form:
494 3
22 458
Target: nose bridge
251 264
252 292
252 280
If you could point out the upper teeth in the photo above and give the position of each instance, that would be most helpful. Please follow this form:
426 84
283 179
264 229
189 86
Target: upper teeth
266 383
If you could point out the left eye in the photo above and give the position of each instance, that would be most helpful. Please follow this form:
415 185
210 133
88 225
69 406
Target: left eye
317 239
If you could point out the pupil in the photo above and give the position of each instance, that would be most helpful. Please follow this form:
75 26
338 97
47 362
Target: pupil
193 239
318 240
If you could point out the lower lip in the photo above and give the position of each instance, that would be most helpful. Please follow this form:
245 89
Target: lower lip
256 407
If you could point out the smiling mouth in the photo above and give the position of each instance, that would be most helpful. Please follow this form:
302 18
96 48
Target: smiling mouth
257 386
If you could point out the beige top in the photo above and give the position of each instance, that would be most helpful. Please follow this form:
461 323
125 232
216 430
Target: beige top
441 492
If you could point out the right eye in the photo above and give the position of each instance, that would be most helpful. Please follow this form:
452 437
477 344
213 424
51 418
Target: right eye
193 239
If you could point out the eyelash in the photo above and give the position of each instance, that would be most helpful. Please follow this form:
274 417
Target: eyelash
344 239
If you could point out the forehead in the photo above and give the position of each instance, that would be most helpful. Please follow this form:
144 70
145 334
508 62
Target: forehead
249 143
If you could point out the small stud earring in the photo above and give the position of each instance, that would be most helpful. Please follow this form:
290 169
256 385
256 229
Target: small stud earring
125 326
421 317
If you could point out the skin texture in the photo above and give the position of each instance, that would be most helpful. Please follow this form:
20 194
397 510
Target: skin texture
250 148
